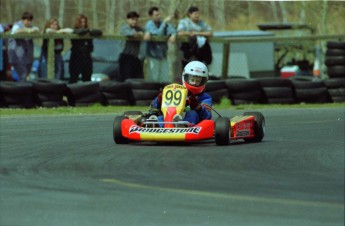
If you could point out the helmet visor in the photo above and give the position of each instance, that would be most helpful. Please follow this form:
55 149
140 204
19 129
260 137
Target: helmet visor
195 80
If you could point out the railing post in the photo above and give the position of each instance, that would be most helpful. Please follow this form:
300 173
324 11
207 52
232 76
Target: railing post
51 59
225 60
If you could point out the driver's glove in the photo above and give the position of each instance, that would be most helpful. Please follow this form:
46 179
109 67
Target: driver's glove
194 103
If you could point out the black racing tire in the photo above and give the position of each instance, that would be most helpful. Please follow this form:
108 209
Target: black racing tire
259 126
117 131
222 131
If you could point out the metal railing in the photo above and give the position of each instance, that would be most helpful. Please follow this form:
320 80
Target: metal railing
227 41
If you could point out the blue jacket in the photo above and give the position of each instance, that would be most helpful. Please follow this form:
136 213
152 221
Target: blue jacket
204 99
158 50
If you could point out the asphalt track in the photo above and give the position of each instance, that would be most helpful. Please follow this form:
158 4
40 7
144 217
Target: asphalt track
67 171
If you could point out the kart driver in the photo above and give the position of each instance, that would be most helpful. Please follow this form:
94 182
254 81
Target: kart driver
194 78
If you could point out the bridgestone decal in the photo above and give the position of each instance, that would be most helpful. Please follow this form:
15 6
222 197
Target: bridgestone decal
137 129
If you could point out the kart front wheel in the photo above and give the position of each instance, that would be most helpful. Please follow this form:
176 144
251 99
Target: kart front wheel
117 130
259 126
222 131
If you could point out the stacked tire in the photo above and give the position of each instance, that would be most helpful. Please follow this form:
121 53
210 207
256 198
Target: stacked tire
49 93
217 90
84 94
336 89
244 91
16 94
311 92
335 59
143 92
277 90
116 93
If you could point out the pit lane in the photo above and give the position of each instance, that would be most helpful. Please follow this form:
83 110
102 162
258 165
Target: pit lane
66 170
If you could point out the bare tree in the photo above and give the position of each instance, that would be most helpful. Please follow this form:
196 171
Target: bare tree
274 11
302 13
219 11
94 14
324 17
110 21
80 6
61 11
47 9
283 11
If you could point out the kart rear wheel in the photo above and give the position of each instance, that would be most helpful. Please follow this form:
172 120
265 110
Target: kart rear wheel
222 131
259 126
117 130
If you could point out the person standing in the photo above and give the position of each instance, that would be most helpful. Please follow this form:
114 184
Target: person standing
52 26
130 64
21 51
156 52
80 60
198 31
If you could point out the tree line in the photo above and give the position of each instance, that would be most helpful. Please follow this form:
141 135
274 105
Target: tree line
326 17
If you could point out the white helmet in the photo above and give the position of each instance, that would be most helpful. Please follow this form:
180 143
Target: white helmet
195 76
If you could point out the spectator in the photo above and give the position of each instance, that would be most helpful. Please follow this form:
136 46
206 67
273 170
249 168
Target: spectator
2 67
81 61
5 72
52 26
156 52
130 64
198 31
21 51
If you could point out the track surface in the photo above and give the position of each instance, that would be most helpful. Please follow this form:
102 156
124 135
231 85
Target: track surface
66 170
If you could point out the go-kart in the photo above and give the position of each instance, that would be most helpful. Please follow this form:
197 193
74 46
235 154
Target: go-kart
136 126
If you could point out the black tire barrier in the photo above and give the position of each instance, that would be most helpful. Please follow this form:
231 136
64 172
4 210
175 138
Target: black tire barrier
17 94
217 90
143 91
49 93
311 92
116 93
336 89
335 59
337 71
335 52
335 45
244 91
84 94
277 91
239 91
